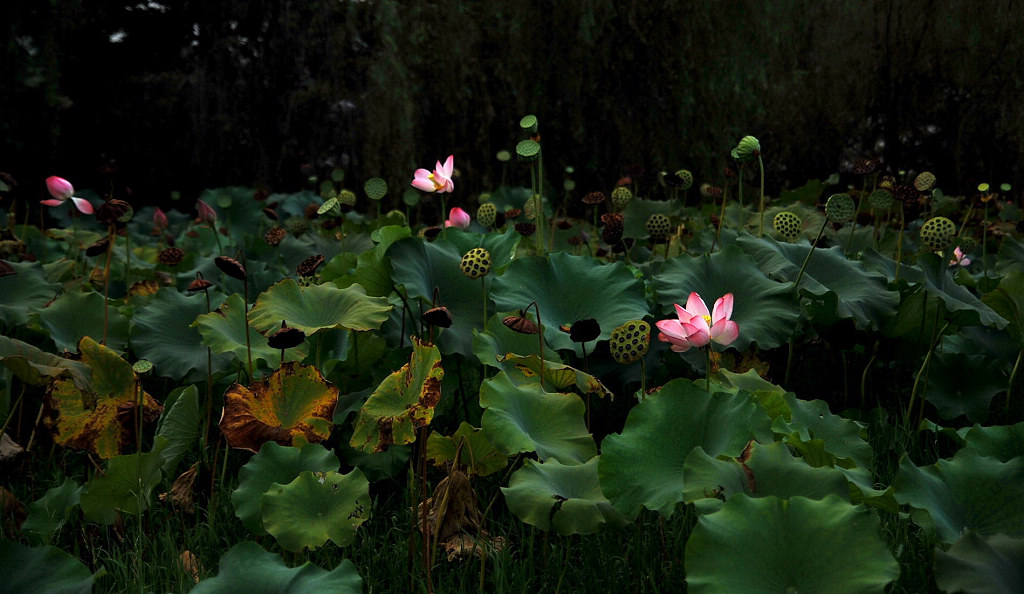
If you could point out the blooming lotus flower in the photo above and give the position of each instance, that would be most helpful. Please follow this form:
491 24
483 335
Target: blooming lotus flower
457 218
440 180
959 258
61 189
696 326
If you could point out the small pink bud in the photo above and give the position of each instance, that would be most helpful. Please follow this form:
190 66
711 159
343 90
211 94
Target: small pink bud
59 187
206 213
458 218
160 219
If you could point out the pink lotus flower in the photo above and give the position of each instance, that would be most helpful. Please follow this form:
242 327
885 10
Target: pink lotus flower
696 327
959 258
160 219
206 213
440 180
457 218
61 189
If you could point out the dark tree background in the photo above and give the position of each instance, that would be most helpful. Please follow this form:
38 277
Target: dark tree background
188 94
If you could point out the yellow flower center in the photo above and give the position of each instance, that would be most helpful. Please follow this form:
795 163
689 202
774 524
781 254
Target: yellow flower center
708 320
437 186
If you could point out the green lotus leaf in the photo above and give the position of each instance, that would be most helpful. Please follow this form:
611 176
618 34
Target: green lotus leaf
23 291
525 418
771 397
637 212
501 246
643 465
224 332
101 420
765 310
499 339
1003 443
295 400
981 565
563 497
180 426
275 463
478 453
74 315
858 294
162 333
969 492
402 403
38 368
767 544
318 307
387 236
961 384
1011 257
246 567
768 470
339 266
1008 301
316 507
125 486
569 288
557 376
42 570
372 272
813 430
49 513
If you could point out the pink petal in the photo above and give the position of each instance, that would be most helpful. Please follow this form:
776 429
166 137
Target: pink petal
723 308
695 305
672 330
421 174
83 205
697 336
52 202
59 187
424 184
684 316
160 219
725 332
449 166
458 218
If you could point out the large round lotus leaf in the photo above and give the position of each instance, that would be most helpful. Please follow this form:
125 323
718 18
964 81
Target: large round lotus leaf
246 567
821 437
770 545
769 396
478 455
1003 443
981 565
22 291
764 309
643 466
318 307
38 368
960 384
402 403
1010 257
161 333
41 570
224 332
768 470
420 266
47 514
101 420
1008 301
295 400
372 272
499 339
569 288
316 507
566 498
557 376
275 464
857 293
969 492
525 418
180 426
74 315
125 486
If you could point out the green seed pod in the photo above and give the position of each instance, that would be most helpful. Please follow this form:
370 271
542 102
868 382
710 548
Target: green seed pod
296 226
880 199
840 208
528 150
967 244
748 148
658 227
924 181
621 197
476 263
504 156
630 341
142 367
486 214
330 207
531 207
788 225
937 233
375 188
347 197
686 177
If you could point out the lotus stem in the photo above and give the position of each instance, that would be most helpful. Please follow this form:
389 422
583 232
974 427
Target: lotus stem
483 289
245 317
444 211
106 285
899 243
864 376
540 334
984 246
800 275
7 421
1013 376
739 189
707 368
643 376
721 221
920 372
760 162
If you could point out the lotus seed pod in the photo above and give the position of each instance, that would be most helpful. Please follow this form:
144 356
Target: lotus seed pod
748 148
686 177
230 267
476 263
905 194
375 188
967 244
788 225
330 207
438 316
658 227
484 197
937 233
347 197
710 191
275 236
880 199
296 226
924 181
621 197
102 245
486 214
171 256
630 341
504 156
286 337
612 232
528 150
308 266
840 208
531 207
142 367
525 229
593 198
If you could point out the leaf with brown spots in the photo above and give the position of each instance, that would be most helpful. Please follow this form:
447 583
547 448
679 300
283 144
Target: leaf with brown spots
295 400
403 402
101 420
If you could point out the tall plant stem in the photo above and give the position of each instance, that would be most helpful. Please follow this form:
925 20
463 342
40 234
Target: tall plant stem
739 190
807 259
643 376
899 243
864 376
984 246
1013 376
127 261
920 372
444 213
540 201
721 220
707 368
209 380
106 285
245 320
483 289
760 162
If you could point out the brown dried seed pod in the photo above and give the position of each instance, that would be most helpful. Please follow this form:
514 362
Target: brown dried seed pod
286 337
584 330
171 256
438 316
308 266
520 324
275 236
101 246
526 229
230 267
200 284
114 211
594 198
